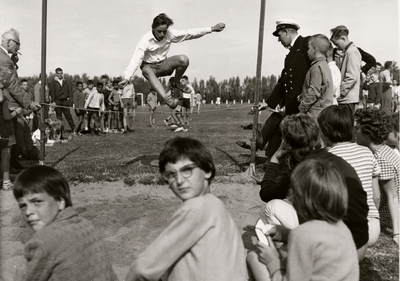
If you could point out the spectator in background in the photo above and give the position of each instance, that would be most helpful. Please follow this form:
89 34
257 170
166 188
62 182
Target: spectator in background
107 88
348 59
395 95
374 87
385 78
152 103
317 92
22 132
187 93
198 102
128 105
373 127
30 117
61 94
79 104
37 90
336 130
88 91
336 75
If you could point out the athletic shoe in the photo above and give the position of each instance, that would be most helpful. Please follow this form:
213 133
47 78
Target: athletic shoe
180 129
166 123
174 126
185 130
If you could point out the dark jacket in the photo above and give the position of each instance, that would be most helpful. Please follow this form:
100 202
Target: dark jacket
290 84
60 93
276 184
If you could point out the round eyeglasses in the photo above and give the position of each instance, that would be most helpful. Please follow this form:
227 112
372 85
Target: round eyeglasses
185 171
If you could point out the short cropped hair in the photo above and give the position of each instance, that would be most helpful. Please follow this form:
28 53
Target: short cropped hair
185 77
322 42
337 123
24 80
8 34
319 191
79 83
104 76
388 64
339 31
115 82
99 84
90 82
161 19
374 124
300 133
180 148
38 179
58 69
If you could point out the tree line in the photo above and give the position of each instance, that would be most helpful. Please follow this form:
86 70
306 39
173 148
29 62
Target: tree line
228 89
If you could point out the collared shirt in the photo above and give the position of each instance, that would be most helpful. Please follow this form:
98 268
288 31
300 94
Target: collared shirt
6 51
150 50
293 41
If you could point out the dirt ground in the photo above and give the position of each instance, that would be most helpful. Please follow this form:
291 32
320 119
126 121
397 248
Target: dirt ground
130 217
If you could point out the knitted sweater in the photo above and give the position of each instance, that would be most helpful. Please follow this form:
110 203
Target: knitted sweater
318 250
202 242
67 249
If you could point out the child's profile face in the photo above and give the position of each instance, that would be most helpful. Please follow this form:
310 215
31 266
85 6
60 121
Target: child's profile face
339 42
186 179
24 86
311 50
100 88
39 209
80 87
90 86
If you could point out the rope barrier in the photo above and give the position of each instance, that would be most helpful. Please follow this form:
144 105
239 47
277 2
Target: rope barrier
110 111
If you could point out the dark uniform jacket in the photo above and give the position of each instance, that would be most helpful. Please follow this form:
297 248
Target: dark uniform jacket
290 83
59 93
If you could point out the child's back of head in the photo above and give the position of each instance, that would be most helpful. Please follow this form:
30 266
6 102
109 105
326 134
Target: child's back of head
336 123
319 191
373 123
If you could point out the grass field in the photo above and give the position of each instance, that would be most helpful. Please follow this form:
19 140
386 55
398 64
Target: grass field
131 158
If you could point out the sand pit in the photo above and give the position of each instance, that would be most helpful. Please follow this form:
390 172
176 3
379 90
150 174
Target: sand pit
129 217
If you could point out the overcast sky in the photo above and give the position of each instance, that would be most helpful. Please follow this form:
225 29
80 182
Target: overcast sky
99 36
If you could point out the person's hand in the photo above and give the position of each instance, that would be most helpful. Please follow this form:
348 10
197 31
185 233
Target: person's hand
266 254
281 152
272 231
218 27
17 110
262 106
123 82
34 106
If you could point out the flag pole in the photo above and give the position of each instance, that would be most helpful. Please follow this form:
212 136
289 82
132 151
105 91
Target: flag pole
43 82
252 168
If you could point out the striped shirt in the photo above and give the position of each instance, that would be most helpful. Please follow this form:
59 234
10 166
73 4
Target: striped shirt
366 166
390 169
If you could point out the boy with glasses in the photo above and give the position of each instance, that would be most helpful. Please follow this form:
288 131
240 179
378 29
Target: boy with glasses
202 241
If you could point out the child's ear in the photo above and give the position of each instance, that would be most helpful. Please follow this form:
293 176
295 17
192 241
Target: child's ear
61 204
208 175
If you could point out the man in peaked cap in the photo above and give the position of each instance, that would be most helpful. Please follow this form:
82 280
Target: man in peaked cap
289 86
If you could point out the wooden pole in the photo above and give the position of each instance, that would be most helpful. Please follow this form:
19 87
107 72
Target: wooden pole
43 81
252 167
